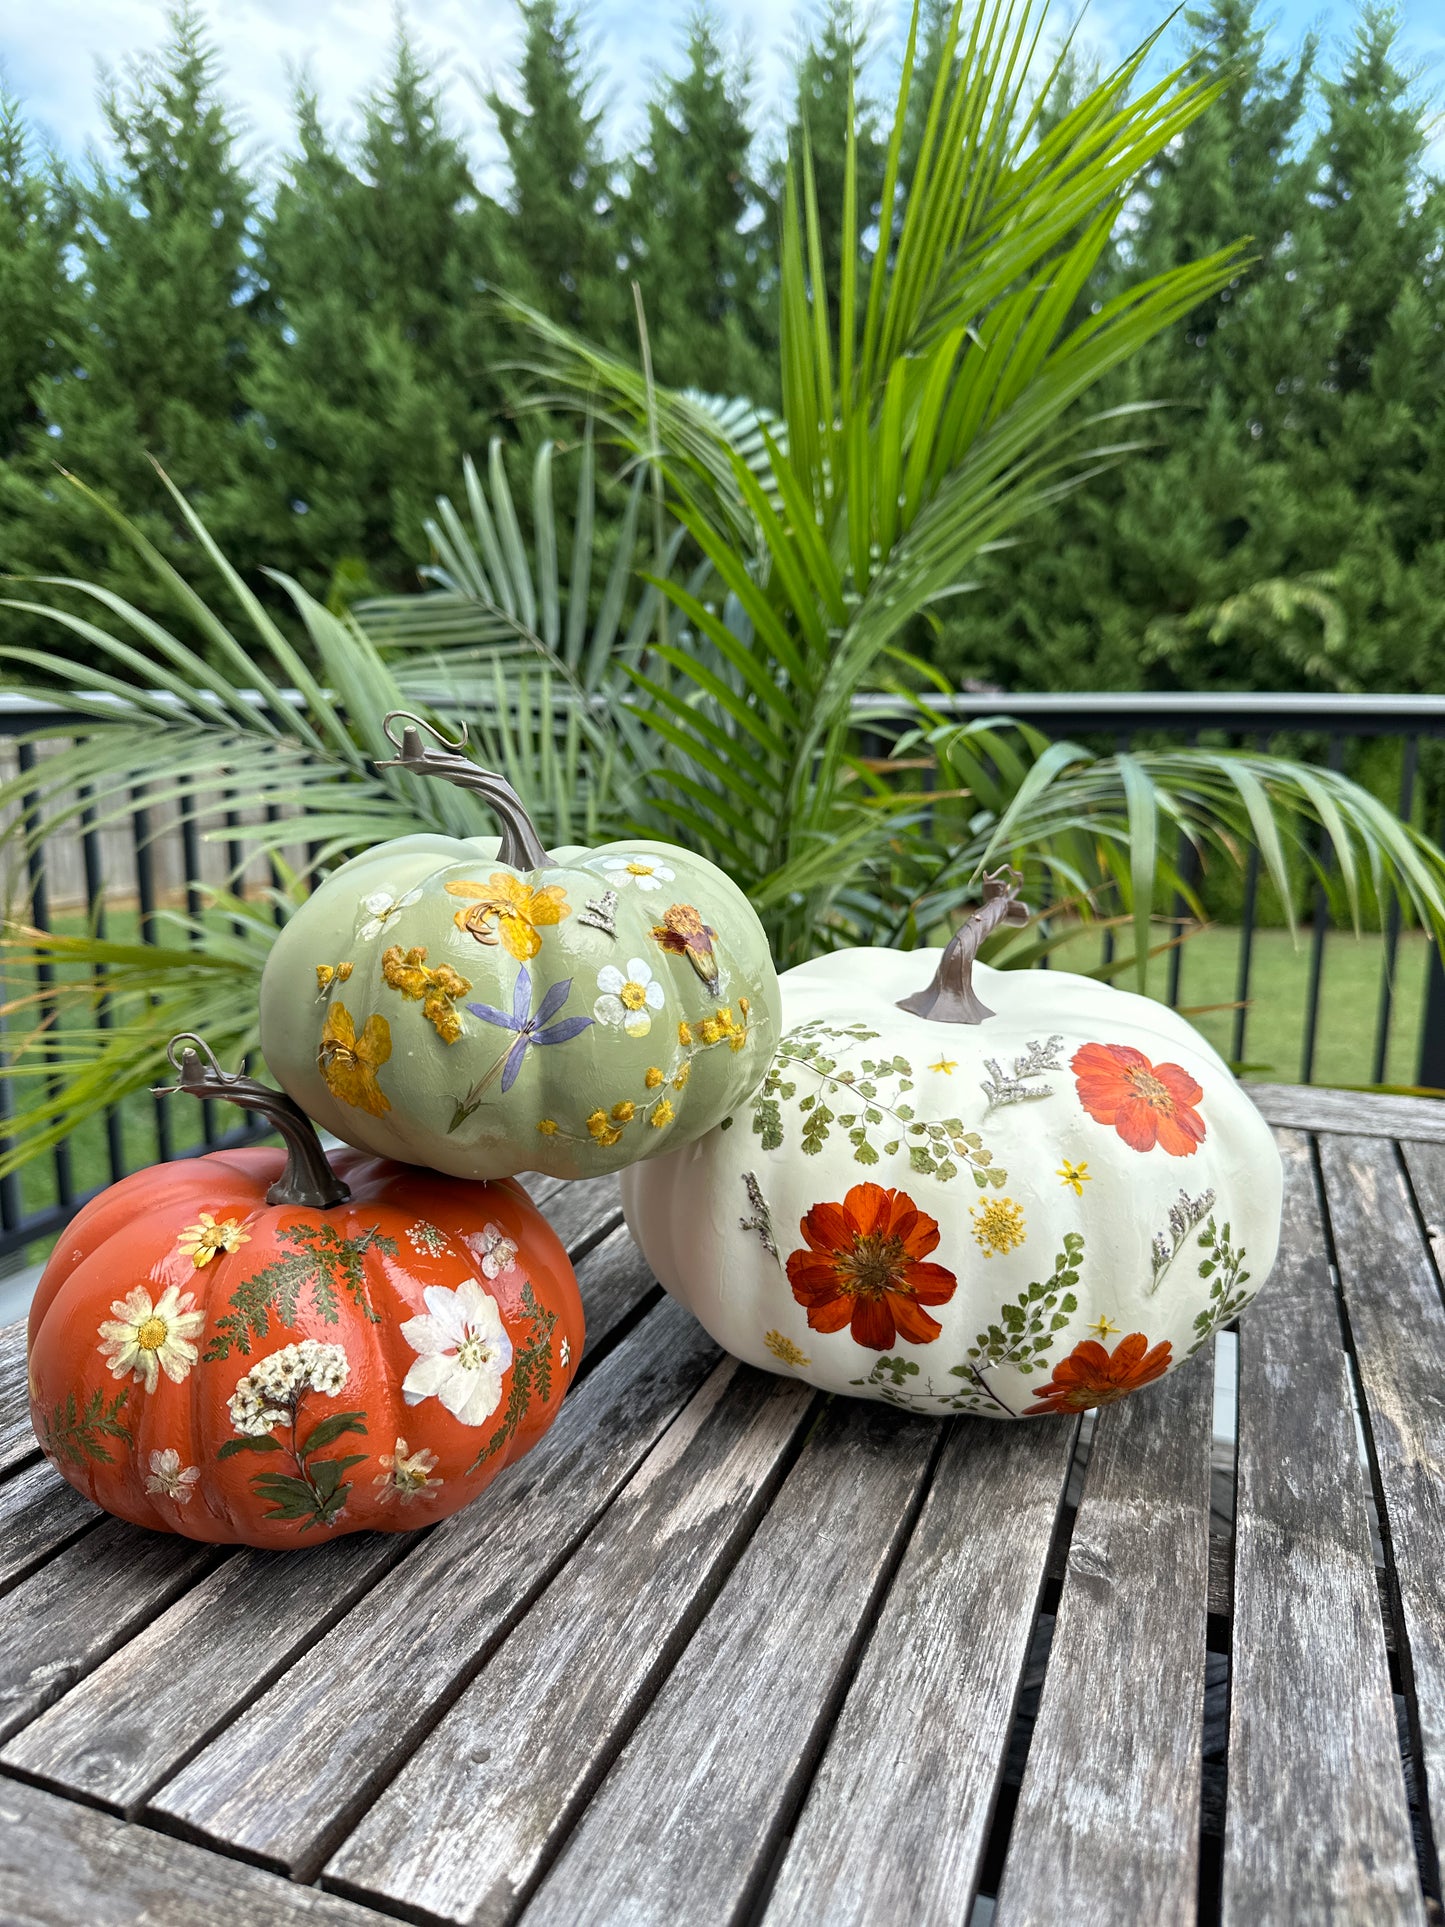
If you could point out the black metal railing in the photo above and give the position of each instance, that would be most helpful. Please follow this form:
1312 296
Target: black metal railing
1326 729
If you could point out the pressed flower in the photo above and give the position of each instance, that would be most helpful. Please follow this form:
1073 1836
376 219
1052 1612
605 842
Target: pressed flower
1091 1376
1103 1327
329 974
865 1267
564 1357
531 1027
547 1126
169 1479
683 932
948 1065
145 1339
785 1350
641 872
426 1237
463 1352
684 1034
1074 1177
605 1133
662 1114
201 1241
495 1250
710 1030
1147 1104
434 989
624 1112
998 1225
382 910
406 1475
653 1077
520 912
269 1393
629 998
684 1072
349 1063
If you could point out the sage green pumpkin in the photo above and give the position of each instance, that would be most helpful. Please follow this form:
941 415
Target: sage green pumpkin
481 1007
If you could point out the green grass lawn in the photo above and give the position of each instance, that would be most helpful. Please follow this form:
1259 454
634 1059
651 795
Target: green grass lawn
1344 1048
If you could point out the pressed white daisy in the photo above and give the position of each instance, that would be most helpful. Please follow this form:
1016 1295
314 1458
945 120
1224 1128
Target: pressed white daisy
641 872
406 1475
147 1339
464 1351
169 1478
628 999
383 909
496 1252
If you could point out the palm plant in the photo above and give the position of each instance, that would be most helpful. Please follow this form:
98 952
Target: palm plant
699 681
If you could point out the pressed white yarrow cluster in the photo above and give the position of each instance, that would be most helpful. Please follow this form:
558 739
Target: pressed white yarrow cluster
267 1395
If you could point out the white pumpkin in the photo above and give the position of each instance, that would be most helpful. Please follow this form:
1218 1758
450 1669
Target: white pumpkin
1037 1207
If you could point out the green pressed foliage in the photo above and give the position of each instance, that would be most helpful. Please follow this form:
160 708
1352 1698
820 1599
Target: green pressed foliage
482 1007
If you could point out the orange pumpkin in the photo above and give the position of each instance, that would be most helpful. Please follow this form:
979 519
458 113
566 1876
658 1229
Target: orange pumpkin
262 1347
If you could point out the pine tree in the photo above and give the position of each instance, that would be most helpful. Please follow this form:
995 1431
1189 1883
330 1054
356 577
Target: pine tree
155 359
372 376
697 227
37 226
562 248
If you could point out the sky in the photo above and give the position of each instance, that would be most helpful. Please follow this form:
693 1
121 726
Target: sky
51 54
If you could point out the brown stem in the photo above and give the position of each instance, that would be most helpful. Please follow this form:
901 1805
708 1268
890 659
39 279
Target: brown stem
951 998
308 1178
521 846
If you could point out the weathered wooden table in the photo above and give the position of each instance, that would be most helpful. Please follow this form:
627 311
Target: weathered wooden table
719 1650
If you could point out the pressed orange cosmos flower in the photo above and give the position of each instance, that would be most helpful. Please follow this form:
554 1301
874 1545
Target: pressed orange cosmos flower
864 1267
1147 1104
1091 1376
349 1063
521 912
683 932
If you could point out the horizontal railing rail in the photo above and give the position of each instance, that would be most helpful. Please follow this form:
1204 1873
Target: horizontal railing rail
156 855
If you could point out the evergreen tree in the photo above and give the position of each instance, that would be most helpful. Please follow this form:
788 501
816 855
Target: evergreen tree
562 246
155 358
372 376
37 226
698 235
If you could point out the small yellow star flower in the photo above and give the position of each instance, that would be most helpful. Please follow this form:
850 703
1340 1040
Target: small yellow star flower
1102 1328
1074 1176
948 1065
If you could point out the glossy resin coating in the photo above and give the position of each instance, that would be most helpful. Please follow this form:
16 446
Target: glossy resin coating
1039 1204
433 1003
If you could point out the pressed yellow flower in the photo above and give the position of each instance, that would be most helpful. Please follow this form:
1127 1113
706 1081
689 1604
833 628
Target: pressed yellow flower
785 1350
662 1113
521 912
349 1063
710 1030
683 1074
329 974
744 1006
624 1112
407 971
208 1236
1074 1177
547 1126
604 1133
724 1015
1102 1328
998 1225
653 1077
948 1065
684 1034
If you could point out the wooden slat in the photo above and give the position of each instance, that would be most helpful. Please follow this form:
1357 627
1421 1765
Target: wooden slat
504 1772
1107 1825
286 1779
614 1280
1317 1826
582 1212
80 1606
39 1513
1397 1318
1311 1107
17 1440
63 1865
686 1825
894 1824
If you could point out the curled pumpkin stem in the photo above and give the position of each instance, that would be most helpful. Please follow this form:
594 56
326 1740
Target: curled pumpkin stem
308 1178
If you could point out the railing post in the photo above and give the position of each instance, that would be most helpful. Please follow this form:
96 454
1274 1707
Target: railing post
1430 1073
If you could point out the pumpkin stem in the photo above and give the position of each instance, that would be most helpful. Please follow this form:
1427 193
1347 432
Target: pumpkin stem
521 846
951 998
308 1178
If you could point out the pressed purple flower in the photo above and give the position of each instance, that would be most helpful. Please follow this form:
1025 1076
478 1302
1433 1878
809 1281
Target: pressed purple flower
531 1027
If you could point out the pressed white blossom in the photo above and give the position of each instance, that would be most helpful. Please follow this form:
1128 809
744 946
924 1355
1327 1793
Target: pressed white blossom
146 1338
268 1393
640 872
565 1355
169 1478
383 909
463 1352
406 1475
629 998
495 1251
